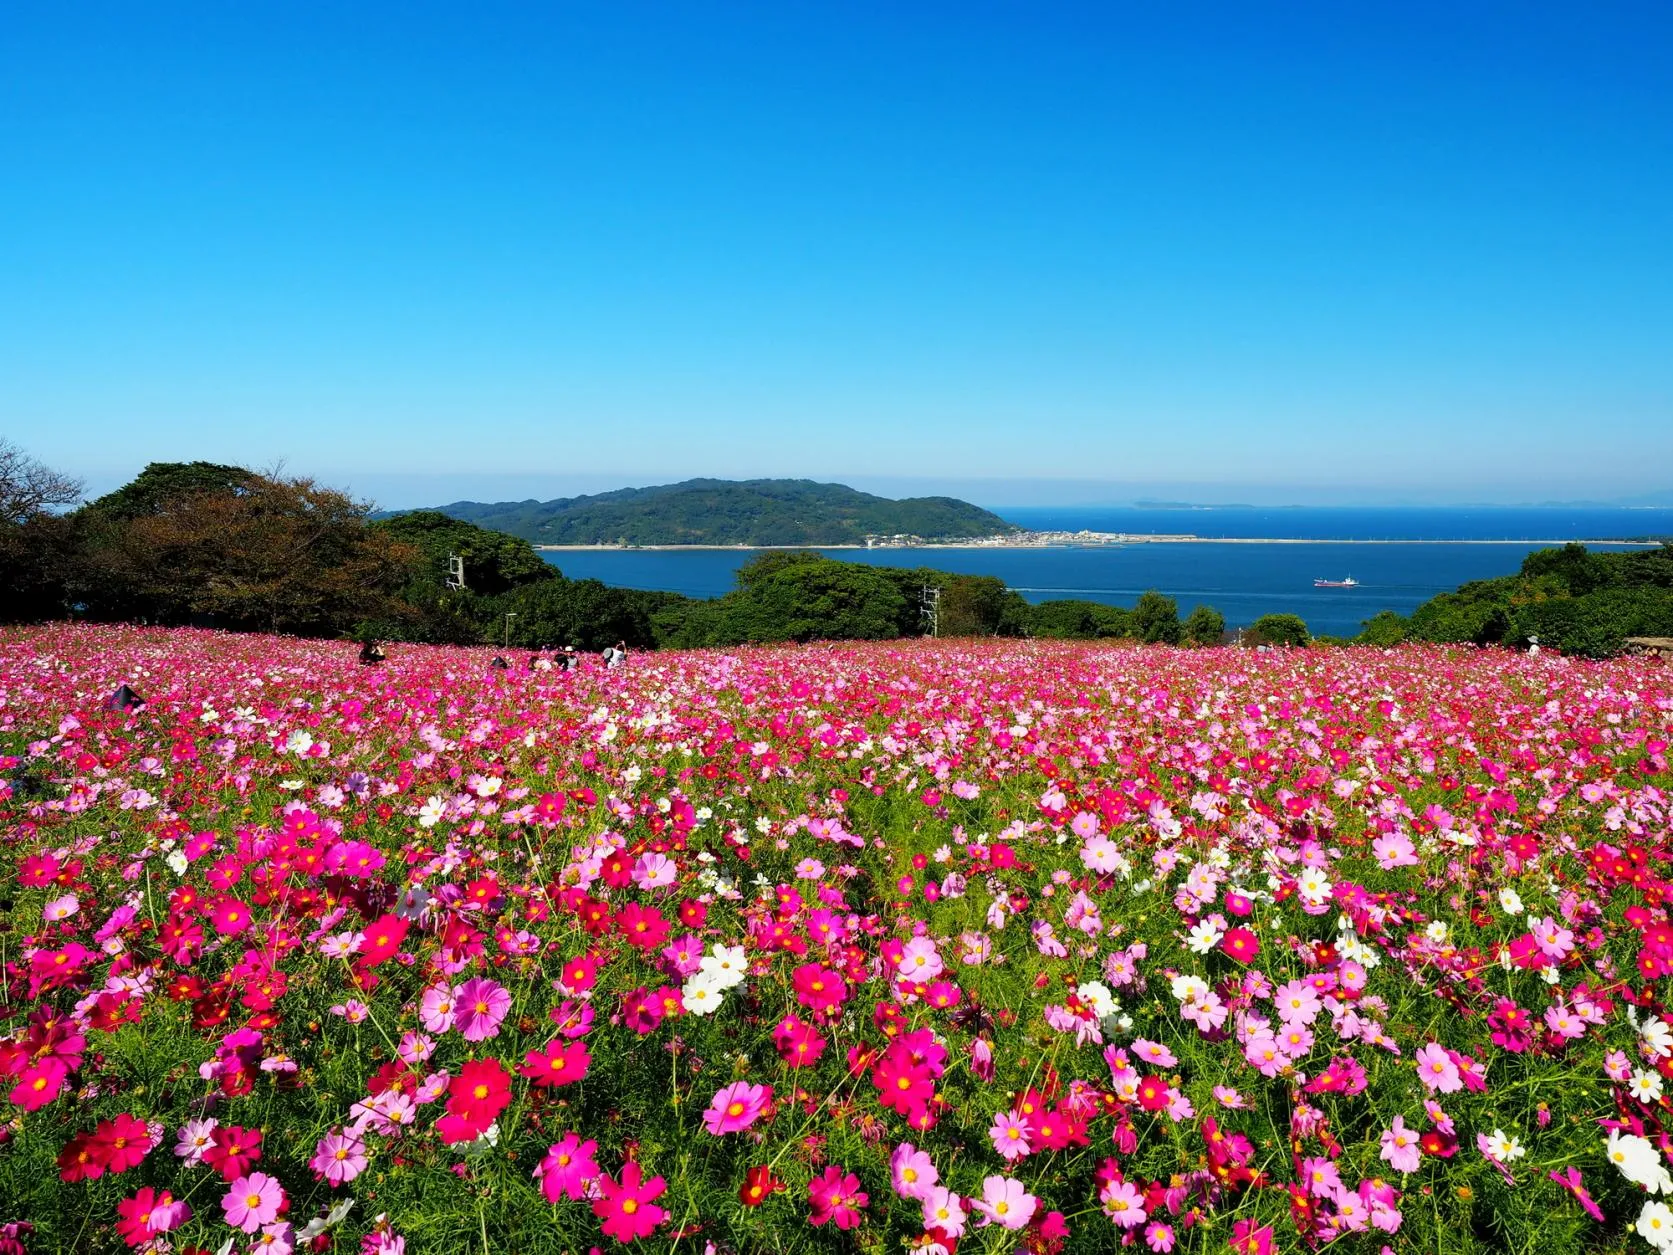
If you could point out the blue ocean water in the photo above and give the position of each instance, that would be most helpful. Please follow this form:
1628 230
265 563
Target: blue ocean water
1242 581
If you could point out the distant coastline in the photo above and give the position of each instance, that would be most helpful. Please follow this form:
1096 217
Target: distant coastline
1124 538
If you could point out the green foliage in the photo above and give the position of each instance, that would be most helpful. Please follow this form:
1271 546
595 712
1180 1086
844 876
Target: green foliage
1595 625
1076 620
727 512
1574 600
1156 619
163 486
824 600
1385 628
1279 629
494 561
1204 626
584 613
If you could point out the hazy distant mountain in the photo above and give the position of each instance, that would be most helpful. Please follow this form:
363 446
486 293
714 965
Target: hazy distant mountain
730 512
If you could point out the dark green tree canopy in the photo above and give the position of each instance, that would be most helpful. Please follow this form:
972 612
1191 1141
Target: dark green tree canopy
162 485
1204 626
1156 619
494 561
1279 629
730 512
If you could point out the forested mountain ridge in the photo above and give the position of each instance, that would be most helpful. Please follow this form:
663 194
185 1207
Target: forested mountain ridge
730 512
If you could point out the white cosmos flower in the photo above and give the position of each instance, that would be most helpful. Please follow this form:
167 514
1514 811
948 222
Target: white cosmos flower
1436 931
1638 1161
724 966
1188 988
1096 995
429 815
1658 1038
1646 1086
701 995
1655 1225
1510 901
177 862
1503 1147
1314 886
1203 938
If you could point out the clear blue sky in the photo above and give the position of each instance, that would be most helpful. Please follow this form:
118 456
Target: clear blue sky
441 250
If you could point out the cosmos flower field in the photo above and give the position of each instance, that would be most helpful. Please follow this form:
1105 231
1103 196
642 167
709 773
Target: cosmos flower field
946 946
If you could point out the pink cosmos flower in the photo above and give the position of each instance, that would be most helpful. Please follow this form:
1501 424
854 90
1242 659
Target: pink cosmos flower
253 1201
920 961
195 1137
944 1210
1123 1203
1010 1136
1158 1236
1394 850
339 1157
1436 1069
912 1172
1400 1147
1154 1053
1005 1202
1554 941
483 1004
438 1007
1296 1002
568 1166
736 1107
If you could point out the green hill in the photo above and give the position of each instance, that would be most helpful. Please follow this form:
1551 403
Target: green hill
730 512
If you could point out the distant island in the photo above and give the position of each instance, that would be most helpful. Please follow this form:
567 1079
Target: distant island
720 512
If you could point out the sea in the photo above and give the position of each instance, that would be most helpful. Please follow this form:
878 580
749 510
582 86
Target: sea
1400 557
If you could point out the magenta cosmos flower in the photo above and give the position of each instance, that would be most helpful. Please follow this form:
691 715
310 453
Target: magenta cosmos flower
736 1107
482 1005
836 1196
627 1210
569 1164
253 1201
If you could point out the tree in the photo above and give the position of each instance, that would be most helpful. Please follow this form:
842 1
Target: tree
28 487
494 561
164 486
763 566
584 613
1384 629
1279 629
251 552
1205 626
1156 619
815 600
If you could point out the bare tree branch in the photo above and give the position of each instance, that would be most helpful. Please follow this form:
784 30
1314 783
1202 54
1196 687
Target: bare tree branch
27 487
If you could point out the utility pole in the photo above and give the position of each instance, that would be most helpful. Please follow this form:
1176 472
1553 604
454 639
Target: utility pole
509 616
929 598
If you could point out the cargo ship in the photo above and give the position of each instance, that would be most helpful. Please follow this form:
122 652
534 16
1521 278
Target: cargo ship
1350 582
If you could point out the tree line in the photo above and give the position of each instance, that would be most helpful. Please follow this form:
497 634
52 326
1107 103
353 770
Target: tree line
207 544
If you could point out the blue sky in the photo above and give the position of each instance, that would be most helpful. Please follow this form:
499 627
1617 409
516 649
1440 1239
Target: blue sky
1066 253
